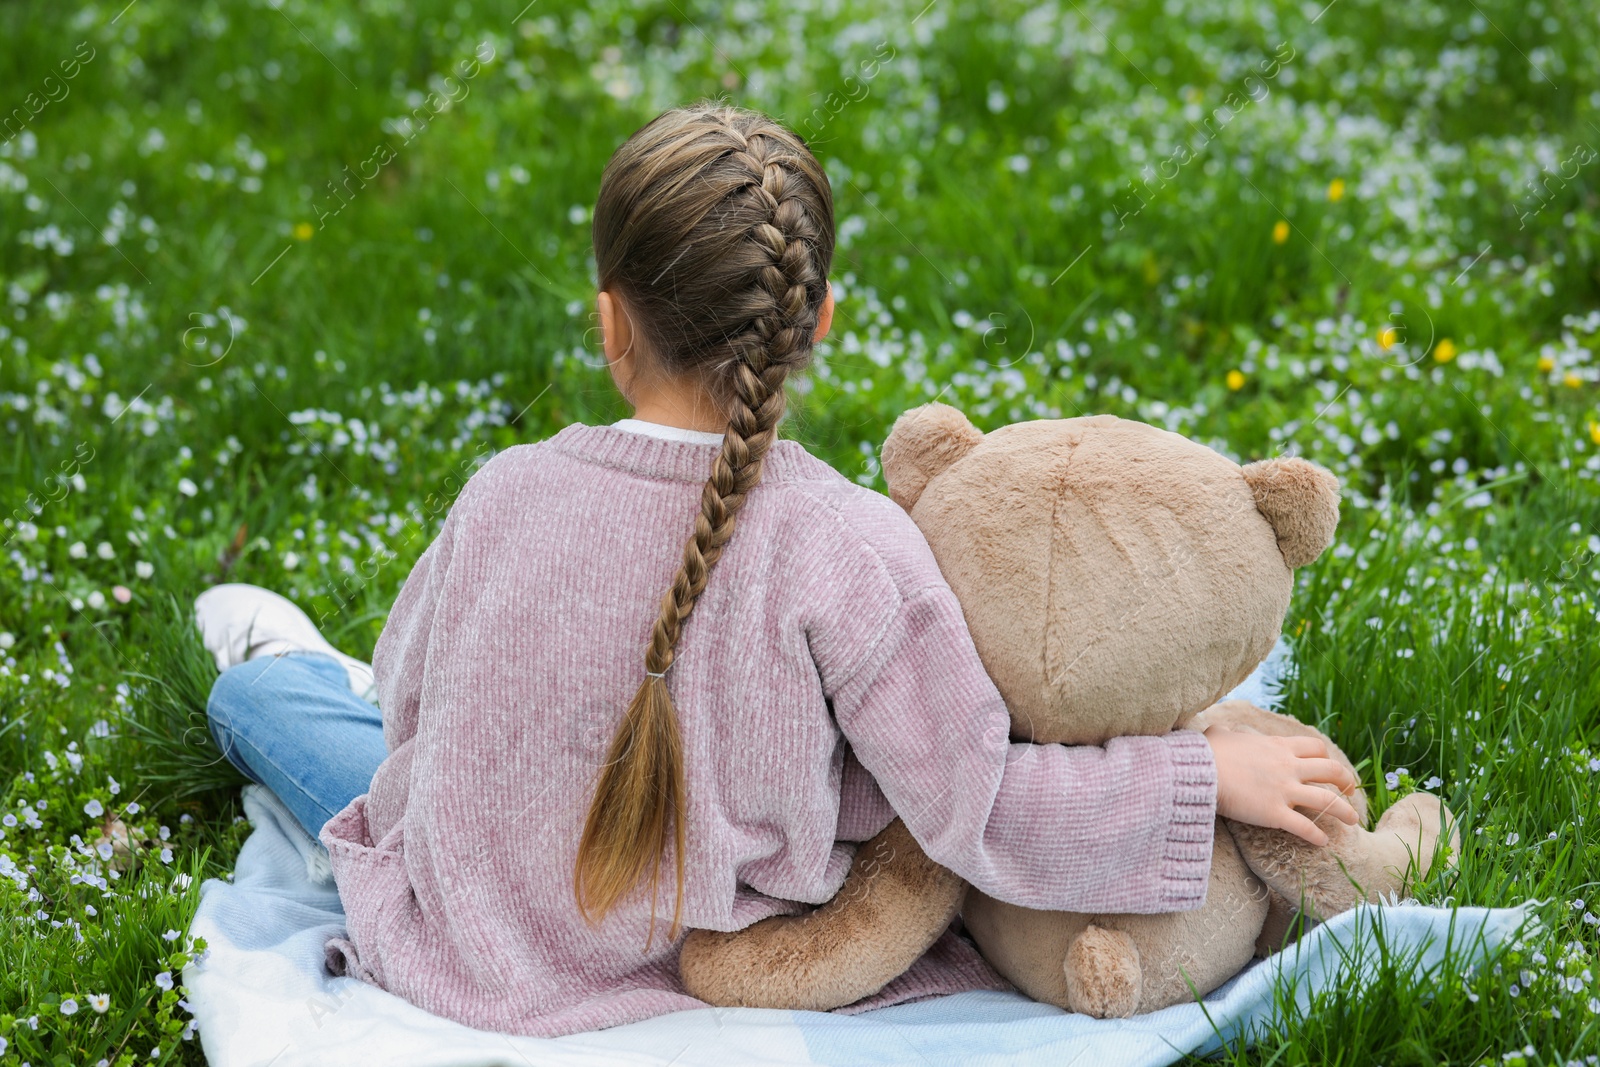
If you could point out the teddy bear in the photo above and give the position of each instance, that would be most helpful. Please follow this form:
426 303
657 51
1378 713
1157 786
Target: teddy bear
1117 579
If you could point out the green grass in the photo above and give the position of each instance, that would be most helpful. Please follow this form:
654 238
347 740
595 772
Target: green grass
212 373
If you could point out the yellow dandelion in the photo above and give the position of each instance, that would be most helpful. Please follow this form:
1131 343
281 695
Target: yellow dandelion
1546 364
1571 380
1336 190
1594 432
303 231
1444 351
1235 380
1280 232
1387 337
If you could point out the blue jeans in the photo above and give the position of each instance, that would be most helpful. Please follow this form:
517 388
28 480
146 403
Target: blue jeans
292 724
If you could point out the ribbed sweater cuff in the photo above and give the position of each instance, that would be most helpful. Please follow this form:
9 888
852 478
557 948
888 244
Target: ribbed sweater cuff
1187 857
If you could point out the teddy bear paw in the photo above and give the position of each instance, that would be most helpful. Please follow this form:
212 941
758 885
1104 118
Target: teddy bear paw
1418 820
1103 977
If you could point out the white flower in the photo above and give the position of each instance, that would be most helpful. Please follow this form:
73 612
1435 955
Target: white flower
164 980
88 909
4 1044
100 1002
1513 838
1392 780
105 850
143 569
291 560
69 1007
78 550
166 855
94 809
7 639
171 935
97 600
187 488
133 807
105 551
113 785
1433 782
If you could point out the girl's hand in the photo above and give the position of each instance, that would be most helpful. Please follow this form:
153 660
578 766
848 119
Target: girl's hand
1261 780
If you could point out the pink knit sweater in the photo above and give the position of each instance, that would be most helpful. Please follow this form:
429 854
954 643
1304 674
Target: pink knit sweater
825 678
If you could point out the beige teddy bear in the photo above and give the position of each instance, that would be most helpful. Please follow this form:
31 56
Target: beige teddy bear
1117 580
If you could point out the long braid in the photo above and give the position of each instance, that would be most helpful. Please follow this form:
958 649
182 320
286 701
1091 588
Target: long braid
641 790
766 356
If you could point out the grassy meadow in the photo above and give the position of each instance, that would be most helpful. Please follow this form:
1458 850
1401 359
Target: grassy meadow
277 275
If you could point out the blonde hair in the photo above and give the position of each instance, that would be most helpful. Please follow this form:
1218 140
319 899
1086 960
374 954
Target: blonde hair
715 226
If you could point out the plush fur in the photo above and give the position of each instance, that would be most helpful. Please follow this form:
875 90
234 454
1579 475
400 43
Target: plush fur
895 904
1300 500
1100 543
1130 963
934 437
1117 580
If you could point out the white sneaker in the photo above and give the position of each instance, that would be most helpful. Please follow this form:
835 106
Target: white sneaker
241 622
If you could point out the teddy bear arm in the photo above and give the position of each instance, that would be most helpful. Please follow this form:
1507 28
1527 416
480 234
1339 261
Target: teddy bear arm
1356 865
894 904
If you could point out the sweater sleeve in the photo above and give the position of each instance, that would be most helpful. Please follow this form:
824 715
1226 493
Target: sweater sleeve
1124 827
401 654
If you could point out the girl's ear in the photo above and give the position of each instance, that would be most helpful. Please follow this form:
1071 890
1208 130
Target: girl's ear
616 339
824 317
924 443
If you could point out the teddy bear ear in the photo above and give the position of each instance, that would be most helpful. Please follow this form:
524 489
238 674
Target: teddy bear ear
925 442
1300 501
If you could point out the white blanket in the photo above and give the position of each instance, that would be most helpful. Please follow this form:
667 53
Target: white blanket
261 996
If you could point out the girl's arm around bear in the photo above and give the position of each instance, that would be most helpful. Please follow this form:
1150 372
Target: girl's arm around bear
1124 827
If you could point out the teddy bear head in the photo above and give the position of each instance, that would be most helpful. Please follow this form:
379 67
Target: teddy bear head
1117 579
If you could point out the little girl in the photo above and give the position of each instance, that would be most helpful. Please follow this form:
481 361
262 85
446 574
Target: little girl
676 666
